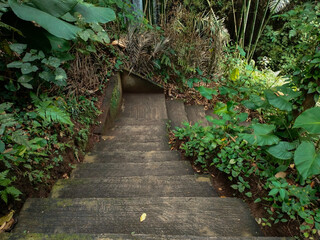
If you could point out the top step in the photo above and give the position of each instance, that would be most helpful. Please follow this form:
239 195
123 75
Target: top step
196 113
176 113
144 106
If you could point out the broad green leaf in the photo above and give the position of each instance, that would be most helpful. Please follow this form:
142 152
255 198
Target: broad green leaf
55 8
92 14
58 44
207 92
235 74
279 101
309 120
307 160
18 47
52 24
261 136
282 150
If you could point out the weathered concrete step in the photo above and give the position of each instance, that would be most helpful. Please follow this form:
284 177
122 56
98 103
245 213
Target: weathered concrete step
176 113
147 106
119 156
145 186
132 146
195 114
83 236
105 139
150 130
100 170
164 216
124 121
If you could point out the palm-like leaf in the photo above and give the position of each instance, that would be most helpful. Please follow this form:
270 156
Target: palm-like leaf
278 5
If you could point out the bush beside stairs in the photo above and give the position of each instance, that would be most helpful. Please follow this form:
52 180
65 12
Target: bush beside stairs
133 187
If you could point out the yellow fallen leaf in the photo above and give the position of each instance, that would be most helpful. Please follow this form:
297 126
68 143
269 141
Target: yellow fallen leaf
143 217
222 196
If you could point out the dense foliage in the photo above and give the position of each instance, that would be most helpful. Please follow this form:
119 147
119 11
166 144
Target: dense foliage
266 124
40 115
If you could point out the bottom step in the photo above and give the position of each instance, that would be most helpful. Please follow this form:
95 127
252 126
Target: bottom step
195 216
37 236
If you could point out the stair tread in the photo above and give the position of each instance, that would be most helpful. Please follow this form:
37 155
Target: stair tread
144 106
165 216
99 170
118 156
158 145
176 113
137 186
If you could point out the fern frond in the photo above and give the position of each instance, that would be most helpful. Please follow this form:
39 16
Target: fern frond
277 5
55 114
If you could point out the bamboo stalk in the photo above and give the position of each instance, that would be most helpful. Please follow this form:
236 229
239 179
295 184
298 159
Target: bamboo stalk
253 26
245 23
240 25
262 27
234 19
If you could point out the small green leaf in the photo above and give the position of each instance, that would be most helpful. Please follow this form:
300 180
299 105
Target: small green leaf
18 47
25 79
273 192
207 92
27 68
15 65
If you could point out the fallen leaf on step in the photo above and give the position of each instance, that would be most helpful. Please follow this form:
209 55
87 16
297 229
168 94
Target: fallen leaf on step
223 197
143 217
220 189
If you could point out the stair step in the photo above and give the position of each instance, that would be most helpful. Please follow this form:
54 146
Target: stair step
149 130
125 121
176 113
132 156
146 106
138 186
83 236
195 114
165 216
100 170
132 146
106 139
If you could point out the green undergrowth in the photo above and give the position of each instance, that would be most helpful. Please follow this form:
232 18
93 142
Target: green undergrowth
260 136
35 136
56 59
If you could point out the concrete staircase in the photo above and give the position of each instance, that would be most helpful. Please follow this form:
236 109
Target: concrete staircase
131 172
